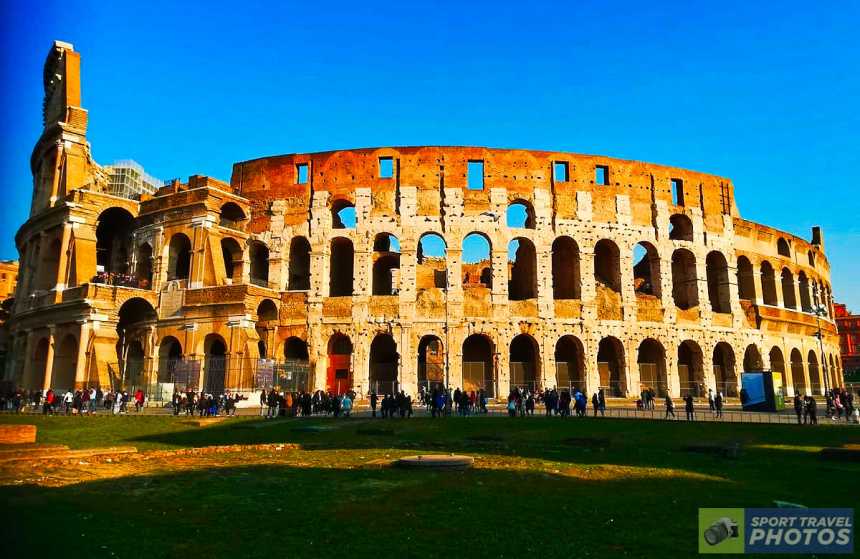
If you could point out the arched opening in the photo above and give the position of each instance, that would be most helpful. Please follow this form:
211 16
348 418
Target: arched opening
135 317
810 256
610 366
524 362
768 284
267 321
262 349
607 265
685 289
339 373
232 255
431 271
520 214
38 365
724 369
777 365
717 271
267 312
169 355
48 267
680 228
259 255
134 366
431 363
179 257
569 363
478 365
522 263
386 265
788 299
752 359
566 282
691 371
383 364
144 266
798 380
296 349
342 215
746 279
646 270
341 263
231 215
477 265
65 364
300 265
803 287
113 242
215 364
815 379
651 359
783 248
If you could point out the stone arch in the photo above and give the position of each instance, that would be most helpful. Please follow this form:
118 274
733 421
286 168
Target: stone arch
803 287
524 359
39 364
646 269
768 284
783 248
341 266
810 256
384 360
607 265
64 368
746 279
431 362
169 354
718 282
134 366
386 264
566 280
299 276
777 363
432 269
815 378
691 372
610 366
296 350
569 363
343 214
798 380
214 364
651 358
788 299
685 288
114 229
752 359
339 373
258 254
477 261
267 311
522 263
478 364
231 252
143 267
725 376
231 215
680 228
48 268
520 214
179 257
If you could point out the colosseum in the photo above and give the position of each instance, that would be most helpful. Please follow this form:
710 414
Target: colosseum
391 268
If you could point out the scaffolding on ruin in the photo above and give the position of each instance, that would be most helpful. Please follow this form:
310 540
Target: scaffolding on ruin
127 179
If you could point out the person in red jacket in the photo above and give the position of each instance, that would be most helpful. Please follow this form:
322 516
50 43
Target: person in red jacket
138 400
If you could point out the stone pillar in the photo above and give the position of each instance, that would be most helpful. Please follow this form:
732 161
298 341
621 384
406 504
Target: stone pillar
49 361
82 365
63 261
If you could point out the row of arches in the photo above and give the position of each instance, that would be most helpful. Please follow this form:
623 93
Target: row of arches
803 294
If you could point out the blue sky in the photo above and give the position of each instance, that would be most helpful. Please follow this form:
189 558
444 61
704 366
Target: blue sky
766 96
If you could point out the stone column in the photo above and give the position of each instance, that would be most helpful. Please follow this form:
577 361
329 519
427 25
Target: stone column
82 365
49 361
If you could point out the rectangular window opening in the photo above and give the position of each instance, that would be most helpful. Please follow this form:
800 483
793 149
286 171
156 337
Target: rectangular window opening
560 171
386 167
475 175
302 173
678 192
601 175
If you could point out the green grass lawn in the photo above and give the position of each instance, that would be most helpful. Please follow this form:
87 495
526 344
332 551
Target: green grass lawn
624 489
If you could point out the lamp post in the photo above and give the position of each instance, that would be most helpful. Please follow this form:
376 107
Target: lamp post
819 312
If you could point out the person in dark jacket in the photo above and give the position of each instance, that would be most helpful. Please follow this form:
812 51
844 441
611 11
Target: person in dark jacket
670 407
798 408
688 407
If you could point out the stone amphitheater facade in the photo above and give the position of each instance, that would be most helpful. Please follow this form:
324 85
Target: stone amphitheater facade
217 285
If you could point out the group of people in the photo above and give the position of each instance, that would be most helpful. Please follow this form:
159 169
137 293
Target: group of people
841 402
84 401
391 405
205 404
277 403
522 402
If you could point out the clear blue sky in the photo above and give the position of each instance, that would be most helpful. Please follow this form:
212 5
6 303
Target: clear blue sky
767 95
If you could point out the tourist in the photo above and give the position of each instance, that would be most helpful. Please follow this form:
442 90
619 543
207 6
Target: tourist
688 407
601 402
670 407
711 405
594 403
374 400
798 408
811 410
346 405
718 403
67 402
138 400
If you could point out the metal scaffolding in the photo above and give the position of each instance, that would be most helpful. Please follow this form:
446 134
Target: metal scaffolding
127 179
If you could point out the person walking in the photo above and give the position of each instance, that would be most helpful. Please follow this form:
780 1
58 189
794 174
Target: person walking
711 405
374 400
688 407
718 404
811 410
670 407
346 405
798 408
601 402
594 402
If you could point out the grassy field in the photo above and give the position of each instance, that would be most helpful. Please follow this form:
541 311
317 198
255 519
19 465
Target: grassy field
544 487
